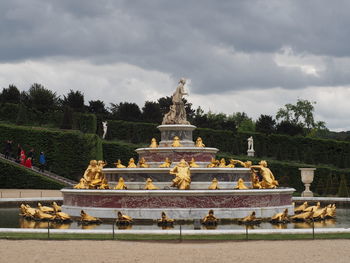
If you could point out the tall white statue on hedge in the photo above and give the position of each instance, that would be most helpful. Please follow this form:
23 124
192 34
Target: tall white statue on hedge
250 151
105 127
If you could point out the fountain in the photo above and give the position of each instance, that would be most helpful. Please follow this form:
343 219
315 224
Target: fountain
229 201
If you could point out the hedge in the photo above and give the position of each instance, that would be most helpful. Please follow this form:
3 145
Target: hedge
301 149
112 151
68 152
86 123
13 176
9 112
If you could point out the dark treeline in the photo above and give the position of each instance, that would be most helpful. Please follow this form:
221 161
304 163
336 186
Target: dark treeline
41 106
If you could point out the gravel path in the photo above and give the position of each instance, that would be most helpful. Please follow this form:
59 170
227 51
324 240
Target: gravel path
317 251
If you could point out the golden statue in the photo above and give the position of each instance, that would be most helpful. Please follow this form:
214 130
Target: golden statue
142 163
56 207
29 212
45 209
210 219
331 211
89 176
39 215
231 164
62 217
301 208
176 142
164 220
83 184
86 218
153 143
119 164
97 181
22 210
214 184
121 184
132 163
222 163
213 163
255 182
123 219
182 174
280 217
268 180
149 185
313 208
199 142
240 185
104 184
166 163
303 216
250 220
246 164
320 214
193 163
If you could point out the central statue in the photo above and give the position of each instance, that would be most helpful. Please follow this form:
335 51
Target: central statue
177 112
182 174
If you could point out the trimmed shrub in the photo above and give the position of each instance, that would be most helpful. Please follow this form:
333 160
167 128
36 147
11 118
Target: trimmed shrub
112 151
9 112
67 152
13 176
86 123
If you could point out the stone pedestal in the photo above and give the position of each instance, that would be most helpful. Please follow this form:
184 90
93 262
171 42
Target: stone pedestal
251 153
307 176
184 132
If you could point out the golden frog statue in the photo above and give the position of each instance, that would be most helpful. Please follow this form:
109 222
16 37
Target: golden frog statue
119 164
268 180
39 215
123 219
61 216
222 163
313 208
153 143
45 209
280 217
86 218
301 208
250 219
213 163
303 216
193 163
56 207
149 185
132 163
164 220
182 174
166 163
231 164
331 211
104 184
176 142
142 163
320 214
210 219
240 185
121 184
199 142
214 184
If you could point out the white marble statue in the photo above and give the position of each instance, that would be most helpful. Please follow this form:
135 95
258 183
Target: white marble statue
104 124
250 143
177 112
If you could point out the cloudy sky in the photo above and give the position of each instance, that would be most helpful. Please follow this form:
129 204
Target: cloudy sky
251 56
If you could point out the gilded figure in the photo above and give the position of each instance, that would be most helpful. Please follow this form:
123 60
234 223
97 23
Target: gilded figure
149 185
267 179
240 185
123 219
164 220
210 219
182 174
166 163
231 164
193 163
153 143
222 163
132 163
214 184
176 142
250 219
119 164
121 184
199 142
280 217
143 163
213 163
301 208
88 219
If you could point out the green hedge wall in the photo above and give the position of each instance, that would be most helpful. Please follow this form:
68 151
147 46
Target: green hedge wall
13 176
9 112
112 151
87 123
280 147
68 152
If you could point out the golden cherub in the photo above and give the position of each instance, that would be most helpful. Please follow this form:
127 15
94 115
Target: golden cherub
132 163
214 184
153 143
240 185
199 142
176 142
149 185
166 163
142 163
193 163
121 184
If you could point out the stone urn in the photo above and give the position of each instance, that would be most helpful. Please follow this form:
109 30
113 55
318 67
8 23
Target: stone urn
307 177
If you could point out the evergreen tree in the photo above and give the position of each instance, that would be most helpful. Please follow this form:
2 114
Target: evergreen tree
151 112
10 95
343 188
126 111
265 124
67 121
74 100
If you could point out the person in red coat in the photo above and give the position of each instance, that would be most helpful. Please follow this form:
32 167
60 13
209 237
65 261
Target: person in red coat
22 158
28 163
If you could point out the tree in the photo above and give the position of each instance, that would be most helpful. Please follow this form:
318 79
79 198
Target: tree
125 111
289 128
41 100
301 113
151 112
97 107
67 121
247 125
10 95
74 100
265 124
239 117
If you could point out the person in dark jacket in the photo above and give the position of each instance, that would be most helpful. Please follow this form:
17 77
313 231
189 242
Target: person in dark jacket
42 162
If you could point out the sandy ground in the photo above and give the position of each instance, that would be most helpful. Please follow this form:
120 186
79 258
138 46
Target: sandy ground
21 193
122 251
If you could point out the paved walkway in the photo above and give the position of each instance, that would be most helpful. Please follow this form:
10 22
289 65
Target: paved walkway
22 193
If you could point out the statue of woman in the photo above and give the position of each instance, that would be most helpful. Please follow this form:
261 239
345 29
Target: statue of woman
182 174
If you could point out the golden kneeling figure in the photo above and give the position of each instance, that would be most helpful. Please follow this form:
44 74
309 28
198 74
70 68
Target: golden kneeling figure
182 174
